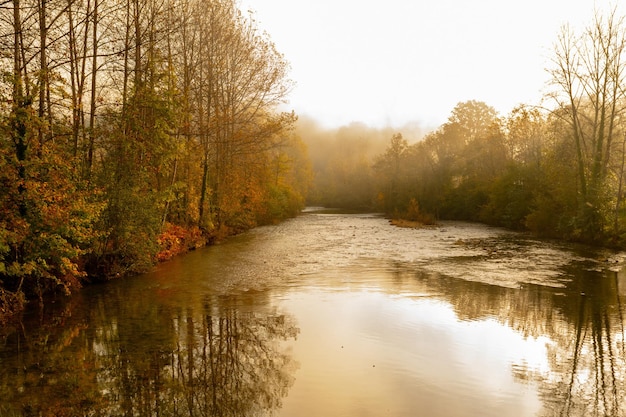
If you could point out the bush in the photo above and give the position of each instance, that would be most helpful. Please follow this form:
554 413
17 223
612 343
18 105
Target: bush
176 240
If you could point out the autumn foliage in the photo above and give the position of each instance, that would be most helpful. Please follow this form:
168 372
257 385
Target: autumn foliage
175 240
132 131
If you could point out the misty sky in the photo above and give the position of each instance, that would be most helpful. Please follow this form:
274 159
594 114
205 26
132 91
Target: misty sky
393 61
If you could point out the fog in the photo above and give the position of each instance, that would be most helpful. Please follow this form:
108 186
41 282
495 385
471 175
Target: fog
403 60
342 158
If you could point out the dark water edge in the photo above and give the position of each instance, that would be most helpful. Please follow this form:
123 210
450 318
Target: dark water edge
322 315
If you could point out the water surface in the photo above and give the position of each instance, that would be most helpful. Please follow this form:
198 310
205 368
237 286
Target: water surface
336 315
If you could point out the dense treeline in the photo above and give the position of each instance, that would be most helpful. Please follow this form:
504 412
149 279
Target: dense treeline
476 167
558 172
131 129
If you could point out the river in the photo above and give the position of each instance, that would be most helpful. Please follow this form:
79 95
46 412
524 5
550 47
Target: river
332 314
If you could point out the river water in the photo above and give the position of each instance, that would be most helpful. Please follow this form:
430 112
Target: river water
334 314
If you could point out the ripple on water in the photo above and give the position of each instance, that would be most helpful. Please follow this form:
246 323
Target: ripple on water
317 242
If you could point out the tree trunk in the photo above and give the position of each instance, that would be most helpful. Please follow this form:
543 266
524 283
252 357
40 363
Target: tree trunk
94 85
43 69
20 108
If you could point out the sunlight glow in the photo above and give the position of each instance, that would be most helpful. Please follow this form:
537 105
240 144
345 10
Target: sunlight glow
398 61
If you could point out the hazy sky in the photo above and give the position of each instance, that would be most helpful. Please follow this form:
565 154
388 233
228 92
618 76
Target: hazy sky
393 61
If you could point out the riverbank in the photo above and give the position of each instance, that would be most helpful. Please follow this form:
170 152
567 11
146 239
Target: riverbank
173 241
382 305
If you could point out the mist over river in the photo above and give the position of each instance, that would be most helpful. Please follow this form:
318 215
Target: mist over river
334 314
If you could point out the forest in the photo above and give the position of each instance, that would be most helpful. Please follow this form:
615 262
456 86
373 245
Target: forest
135 130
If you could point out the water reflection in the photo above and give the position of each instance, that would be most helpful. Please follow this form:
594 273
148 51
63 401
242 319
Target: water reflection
368 320
141 358
582 325
588 358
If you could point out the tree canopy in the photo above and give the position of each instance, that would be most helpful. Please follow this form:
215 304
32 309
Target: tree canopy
132 130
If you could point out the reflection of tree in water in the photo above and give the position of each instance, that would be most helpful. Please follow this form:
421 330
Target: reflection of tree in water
141 358
588 366
584 323
222 362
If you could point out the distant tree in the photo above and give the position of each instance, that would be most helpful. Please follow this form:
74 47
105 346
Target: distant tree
526 135
517 178
471 119
468 151
391 170
554 187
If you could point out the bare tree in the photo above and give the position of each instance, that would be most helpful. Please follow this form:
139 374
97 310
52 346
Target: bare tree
589 75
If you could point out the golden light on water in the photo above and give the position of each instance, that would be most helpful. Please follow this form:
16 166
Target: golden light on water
370 344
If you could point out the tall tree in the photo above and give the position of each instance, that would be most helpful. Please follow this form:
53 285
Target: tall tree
124 120
589 76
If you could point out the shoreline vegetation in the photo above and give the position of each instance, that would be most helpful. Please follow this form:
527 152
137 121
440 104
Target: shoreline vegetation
164 135
128 137
410 224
